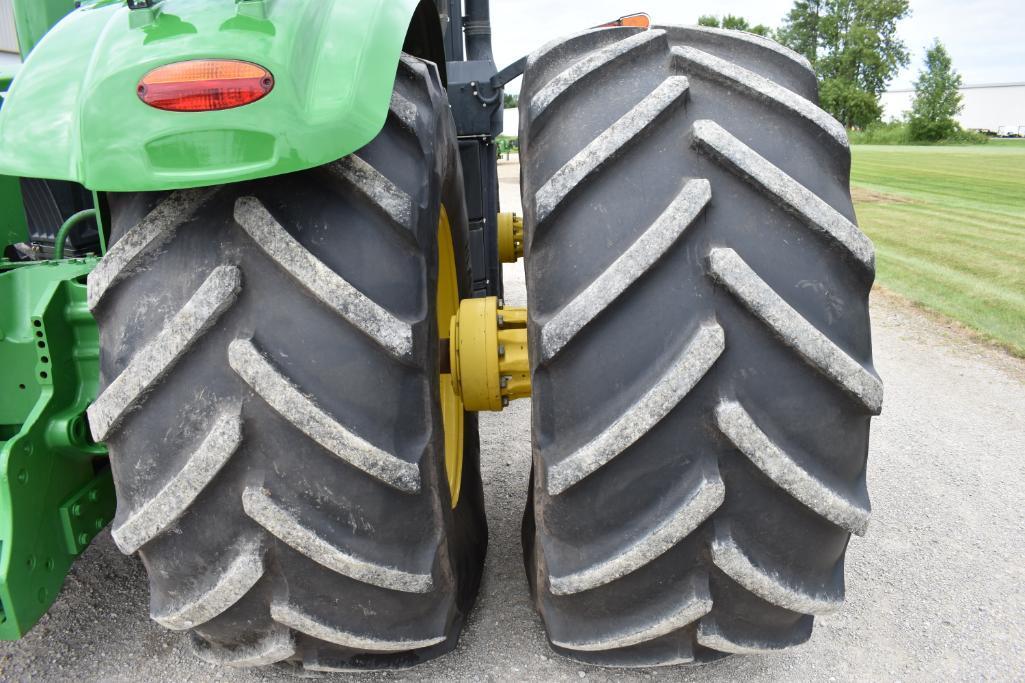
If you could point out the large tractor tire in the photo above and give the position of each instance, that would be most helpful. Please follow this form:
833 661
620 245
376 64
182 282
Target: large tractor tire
700 346
285 449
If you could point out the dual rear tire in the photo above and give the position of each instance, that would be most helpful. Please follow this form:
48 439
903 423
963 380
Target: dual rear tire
273 403
702 380
699 334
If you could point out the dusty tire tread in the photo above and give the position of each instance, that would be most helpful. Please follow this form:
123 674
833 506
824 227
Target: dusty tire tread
749 473
305 506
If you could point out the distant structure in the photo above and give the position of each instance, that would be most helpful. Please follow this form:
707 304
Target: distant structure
996 107
511 123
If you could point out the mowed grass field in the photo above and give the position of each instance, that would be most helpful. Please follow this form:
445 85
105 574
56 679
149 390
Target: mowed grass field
949 228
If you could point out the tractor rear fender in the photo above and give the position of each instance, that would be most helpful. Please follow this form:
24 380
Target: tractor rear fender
74 113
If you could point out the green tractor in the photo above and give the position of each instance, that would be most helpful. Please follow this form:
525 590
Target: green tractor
251 302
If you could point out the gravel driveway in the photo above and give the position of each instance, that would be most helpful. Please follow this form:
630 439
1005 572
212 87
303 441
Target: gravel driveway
934 591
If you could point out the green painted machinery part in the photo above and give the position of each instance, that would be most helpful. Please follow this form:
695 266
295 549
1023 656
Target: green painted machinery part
33 18
73 112
13 224
56 491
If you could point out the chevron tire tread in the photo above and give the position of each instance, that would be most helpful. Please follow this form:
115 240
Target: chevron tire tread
700 346
269 367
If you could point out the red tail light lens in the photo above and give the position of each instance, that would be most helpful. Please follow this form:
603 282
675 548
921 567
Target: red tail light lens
205 85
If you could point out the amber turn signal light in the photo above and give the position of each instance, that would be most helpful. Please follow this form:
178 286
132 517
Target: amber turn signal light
639 20
205 85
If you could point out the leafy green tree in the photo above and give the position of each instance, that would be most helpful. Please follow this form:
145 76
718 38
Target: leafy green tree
854 48
734 22
937 97
849 103
800 30
511 101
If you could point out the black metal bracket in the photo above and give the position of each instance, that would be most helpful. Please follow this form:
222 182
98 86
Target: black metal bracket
509 73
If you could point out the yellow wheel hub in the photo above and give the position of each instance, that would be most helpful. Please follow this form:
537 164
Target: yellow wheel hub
451 405
487 364
488 354
510 237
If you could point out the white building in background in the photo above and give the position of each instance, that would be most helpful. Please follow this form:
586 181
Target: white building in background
511 123
999 107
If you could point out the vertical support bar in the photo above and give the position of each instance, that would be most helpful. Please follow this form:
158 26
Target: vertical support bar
454 31
13 224
100 228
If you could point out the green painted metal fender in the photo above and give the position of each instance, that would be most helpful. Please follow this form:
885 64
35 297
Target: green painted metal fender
73 113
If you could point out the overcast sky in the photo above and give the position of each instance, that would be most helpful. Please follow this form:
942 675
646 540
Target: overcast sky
985 37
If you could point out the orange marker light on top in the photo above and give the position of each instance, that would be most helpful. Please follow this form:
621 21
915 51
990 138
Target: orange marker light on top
205 85
639 20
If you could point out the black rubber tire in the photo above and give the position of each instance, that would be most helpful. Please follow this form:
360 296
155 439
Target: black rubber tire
277 441
700 346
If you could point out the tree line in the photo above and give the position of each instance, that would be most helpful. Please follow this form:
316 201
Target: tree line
855 50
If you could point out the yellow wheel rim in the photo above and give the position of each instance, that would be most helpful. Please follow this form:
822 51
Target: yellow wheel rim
451 405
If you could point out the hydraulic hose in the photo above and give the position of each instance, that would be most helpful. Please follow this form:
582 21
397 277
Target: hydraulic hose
65 230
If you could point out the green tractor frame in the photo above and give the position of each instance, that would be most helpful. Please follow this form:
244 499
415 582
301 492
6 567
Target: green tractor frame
253 249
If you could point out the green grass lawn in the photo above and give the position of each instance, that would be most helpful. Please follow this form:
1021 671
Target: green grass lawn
949 228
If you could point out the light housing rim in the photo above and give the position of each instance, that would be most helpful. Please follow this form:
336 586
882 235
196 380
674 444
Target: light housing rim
181 87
